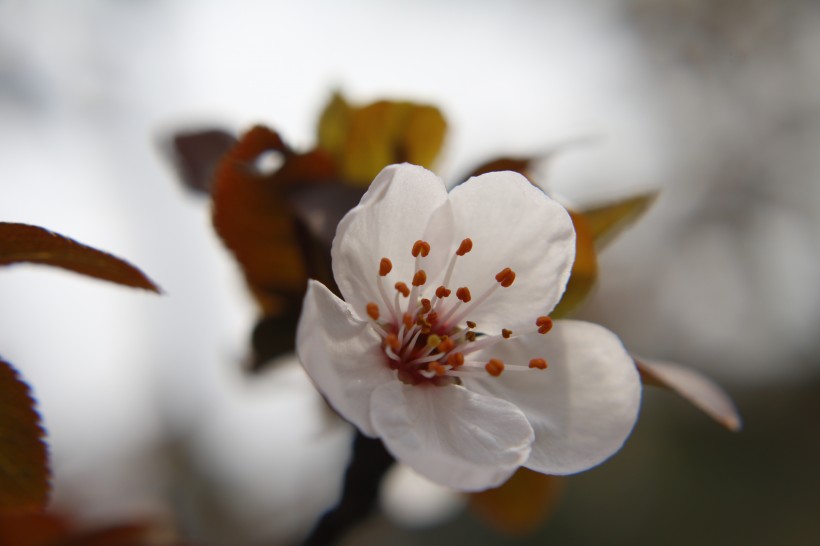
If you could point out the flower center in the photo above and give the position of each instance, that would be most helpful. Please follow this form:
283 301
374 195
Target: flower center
426 335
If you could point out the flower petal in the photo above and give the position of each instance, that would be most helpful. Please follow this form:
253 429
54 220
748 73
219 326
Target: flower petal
341 354
512 224
582 407
692 385
404 204
450 435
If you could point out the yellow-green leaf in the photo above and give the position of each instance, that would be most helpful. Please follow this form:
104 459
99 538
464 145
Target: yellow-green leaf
607 221
24 473
363 140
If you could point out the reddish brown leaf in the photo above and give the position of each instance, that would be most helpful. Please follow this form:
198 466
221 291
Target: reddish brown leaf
196 154
24 472
46 529
21 243
693 386
32 529
252 215
522 504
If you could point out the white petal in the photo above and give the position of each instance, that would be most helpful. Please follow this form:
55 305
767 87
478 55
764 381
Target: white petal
512 224
450 435
398 209
701 391
341 354
582 407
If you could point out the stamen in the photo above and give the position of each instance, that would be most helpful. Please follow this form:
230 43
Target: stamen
538 363
465 247
544 324
392 341
385 266
401 287
471 324
505 277
407 320
425 305
463 294
433 341
436 367
373 310
455 360
421 247
506 333
388 350
442 292
494 367
446 345
419 278
470 336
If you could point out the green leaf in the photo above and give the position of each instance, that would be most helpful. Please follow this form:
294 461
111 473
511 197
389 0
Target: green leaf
21 243
24 472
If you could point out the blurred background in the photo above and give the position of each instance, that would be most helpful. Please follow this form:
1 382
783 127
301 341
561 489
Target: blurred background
149 415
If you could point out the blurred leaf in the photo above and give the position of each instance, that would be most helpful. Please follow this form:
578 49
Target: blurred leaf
24 243
32 529
45 529
196 155
24 473
252 215
364 140
695 387
522 504
584 269
608 221
516 164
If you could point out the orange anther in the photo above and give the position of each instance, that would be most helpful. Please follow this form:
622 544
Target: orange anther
470 336
436 367
455 360
465 247
420 247
407 320
385 266
471 324
402 288
446 345
373 311
538 363
392 341
544 324
494 367
505 277
506 333
432 318
419 278
425 305
463 294
442 292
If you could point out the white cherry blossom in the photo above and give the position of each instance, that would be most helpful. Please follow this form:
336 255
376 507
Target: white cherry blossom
443 346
